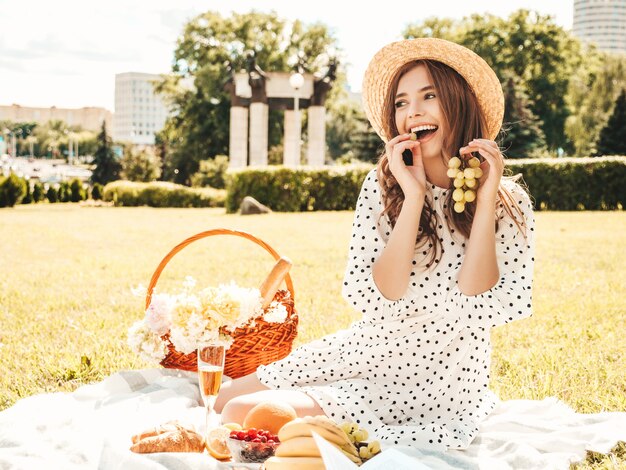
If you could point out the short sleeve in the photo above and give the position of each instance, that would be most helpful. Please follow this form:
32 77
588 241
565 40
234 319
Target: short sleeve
511 298
370 233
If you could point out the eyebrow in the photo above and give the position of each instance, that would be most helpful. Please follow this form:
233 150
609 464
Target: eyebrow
426 88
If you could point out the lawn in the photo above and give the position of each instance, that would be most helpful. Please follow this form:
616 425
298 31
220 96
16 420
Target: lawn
66 274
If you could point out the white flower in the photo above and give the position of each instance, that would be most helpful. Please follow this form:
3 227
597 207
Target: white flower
144 342
187 338
276 313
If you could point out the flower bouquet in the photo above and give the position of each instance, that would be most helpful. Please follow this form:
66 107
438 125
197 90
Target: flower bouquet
257 325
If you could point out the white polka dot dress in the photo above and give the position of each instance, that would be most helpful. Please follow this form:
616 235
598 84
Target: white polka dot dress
414 371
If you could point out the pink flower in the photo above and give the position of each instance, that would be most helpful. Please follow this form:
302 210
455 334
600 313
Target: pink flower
159 314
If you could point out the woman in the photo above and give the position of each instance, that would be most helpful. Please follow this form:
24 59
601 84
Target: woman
430 281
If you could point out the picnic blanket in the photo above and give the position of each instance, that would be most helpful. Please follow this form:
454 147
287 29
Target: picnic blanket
91 428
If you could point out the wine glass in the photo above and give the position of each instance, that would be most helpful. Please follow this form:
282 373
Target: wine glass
210 370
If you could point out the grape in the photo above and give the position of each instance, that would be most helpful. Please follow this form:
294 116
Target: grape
364 453
451 172
464 174
454 162
412 136
469 173
458 195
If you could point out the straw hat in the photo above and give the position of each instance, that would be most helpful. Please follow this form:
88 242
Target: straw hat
385 64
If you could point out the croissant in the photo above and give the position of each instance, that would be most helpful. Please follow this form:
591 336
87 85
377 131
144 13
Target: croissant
161 429
160 439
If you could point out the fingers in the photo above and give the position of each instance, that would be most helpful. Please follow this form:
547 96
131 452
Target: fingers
394 151
487 148
417 156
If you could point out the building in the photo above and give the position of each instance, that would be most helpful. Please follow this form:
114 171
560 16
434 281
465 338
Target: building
139 112
89 118
602 22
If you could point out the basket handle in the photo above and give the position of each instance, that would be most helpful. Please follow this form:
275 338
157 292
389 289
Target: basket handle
210 233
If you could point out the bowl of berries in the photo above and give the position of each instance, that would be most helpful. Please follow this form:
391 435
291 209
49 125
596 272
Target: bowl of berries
252 445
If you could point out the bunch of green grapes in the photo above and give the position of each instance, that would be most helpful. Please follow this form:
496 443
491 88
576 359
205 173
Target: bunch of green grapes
358 436
465 174
367 450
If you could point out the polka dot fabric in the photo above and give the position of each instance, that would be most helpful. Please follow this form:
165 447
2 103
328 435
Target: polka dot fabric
414 371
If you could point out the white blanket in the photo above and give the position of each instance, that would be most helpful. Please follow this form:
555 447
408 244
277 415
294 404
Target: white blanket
92 428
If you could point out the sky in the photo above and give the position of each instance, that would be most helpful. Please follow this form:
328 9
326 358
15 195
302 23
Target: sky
66 53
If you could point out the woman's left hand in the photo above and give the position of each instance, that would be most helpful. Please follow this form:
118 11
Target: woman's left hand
492 167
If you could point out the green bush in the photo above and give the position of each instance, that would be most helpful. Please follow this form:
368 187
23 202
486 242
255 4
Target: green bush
12 190
77 193
52 194
64 192
38 192
162 194
96 191
302 189
211 173
574 183
554 184
28 197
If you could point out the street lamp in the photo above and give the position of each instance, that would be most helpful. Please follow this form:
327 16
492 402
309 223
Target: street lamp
296 81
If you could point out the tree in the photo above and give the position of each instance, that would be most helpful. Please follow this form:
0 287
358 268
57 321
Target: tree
107 167
38 193
349 135
526 44
198 126
140 165
52 195
592 93
12 190
613 135
523 136
76 191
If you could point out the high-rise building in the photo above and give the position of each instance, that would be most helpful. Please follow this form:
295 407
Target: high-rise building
139 111
602 22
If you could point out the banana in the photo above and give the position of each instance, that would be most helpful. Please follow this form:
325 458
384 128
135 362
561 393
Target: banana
289 463
299 447
326 428
306 447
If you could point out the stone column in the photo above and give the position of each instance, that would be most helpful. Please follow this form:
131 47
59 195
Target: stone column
259 115
290 139
238 146
317 136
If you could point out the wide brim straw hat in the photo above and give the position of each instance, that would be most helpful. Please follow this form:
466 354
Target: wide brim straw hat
385 64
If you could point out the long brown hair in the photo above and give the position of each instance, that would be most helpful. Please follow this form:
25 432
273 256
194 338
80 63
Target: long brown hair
463 121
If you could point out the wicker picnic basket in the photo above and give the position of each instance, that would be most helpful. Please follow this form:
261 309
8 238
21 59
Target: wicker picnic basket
253 346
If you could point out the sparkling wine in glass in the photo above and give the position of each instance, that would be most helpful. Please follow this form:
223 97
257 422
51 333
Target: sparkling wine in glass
210 371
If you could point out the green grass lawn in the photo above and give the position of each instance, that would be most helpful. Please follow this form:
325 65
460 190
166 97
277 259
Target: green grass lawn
66 274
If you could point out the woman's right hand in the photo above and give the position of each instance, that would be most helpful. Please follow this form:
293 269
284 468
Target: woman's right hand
412 179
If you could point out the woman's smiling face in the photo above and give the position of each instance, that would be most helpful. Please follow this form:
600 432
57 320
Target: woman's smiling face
417 109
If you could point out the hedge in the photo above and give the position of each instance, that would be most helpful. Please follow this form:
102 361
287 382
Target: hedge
293 190
162 194
567 184
596 183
